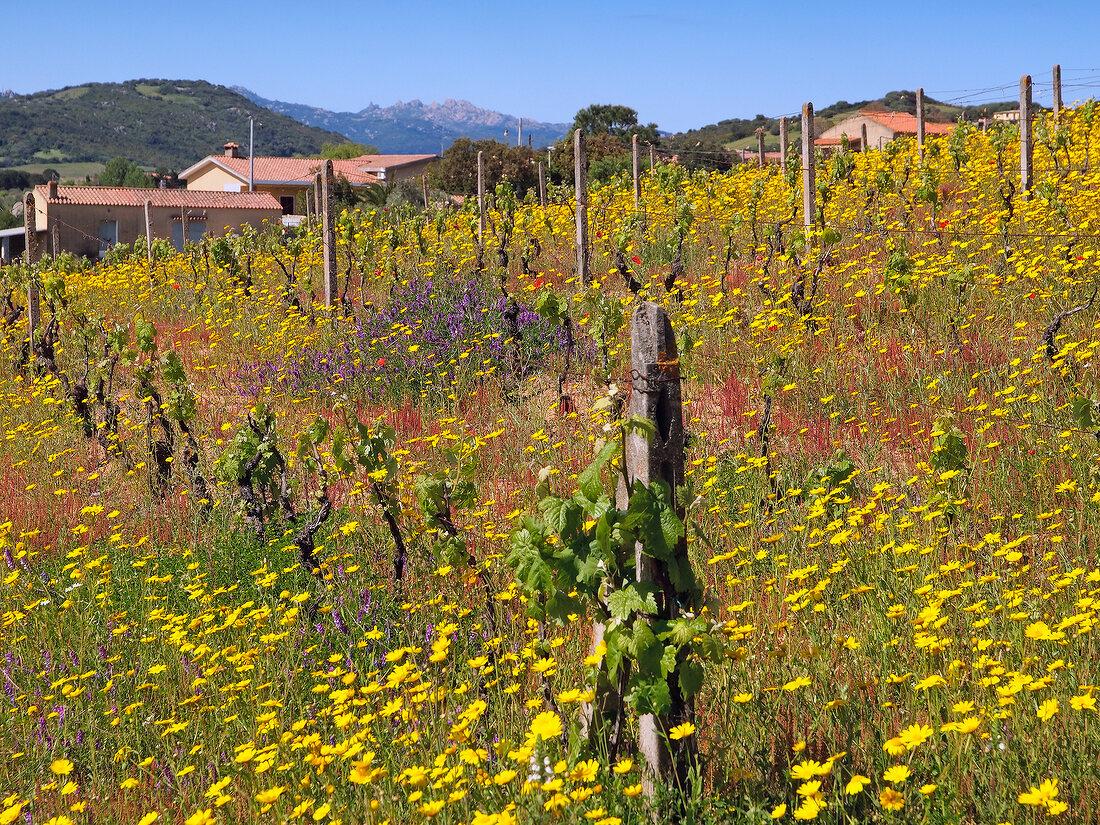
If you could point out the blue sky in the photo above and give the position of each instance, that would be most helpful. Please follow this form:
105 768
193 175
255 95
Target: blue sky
678 64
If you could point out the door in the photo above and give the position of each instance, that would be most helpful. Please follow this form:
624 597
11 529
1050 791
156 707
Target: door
108 236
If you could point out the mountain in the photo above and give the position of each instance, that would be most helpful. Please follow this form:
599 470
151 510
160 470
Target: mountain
740 133
156 123
416 127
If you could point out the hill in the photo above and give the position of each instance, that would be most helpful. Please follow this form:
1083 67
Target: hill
156 123
415 126
740 133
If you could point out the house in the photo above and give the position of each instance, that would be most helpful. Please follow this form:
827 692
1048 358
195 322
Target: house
882 127
89 220
286 177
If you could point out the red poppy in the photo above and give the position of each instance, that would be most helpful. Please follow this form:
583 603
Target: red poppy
636 259
381 362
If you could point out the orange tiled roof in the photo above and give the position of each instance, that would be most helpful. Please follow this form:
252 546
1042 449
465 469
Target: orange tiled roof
903 123
298 171
379 162
172 198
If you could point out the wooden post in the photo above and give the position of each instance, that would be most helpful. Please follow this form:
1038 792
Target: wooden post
580 180
863 137
655 395
760 148
318 205
519 133
1025 134
328 222
31 256
309 207
542 185
149 232
783 143
809 193
480 200
424 180
636 166
183 228
920 123
1057 76
652 158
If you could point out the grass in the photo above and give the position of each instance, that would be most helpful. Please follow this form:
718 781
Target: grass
902 576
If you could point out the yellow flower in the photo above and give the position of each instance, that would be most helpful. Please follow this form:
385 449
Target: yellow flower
633 790
1043 795
928 789
128 783
810 768
546 725
779 810
200 817
61 767
1085 702
623 766
795 684
149 818
60 819
430 809
898 773
856 785
1047 709
681 731
321 811
9 815
915 735
270 795
891 800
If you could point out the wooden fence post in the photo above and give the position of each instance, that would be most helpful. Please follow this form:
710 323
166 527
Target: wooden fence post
580 181
636 166
542 185
809 193
655 395
1057 77
183 228
149 233
1025 135
783 143
480 201
760 148
328 223
863 137
318 206
425 182
652 158
309 208
920 123
31 256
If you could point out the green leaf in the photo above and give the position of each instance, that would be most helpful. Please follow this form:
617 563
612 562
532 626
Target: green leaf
172 367
648 649
549 306
318 430
562 515
649 695
589 481
146 335
1084 411
628 600
641 425
691 678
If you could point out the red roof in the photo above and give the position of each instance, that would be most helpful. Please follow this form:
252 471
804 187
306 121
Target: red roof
170 198
284 170
378 162
903 123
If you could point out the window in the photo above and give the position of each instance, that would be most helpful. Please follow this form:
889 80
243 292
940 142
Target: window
196 229
108 236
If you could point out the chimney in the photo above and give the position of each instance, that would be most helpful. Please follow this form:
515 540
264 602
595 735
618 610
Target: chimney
232 150
51 190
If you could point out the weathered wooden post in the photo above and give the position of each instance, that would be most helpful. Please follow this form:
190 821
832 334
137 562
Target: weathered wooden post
31 256
1025 134
580 181
783 143
480 201
1057 77
183 228
542 185
863 137
636 166
149 233
309 208
328 236
318 206
920 123
424 180
655 395
652 158
760 148
809 193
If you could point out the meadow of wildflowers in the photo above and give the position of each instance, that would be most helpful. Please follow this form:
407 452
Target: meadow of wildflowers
256 550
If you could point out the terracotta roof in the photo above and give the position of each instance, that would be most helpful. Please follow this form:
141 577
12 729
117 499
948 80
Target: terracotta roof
904 123
298 171
172 198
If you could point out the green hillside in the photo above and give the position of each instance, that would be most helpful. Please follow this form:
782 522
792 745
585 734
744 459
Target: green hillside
166 124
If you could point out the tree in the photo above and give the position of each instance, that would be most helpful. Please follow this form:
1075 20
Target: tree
456 171
347 150
619 121
121 172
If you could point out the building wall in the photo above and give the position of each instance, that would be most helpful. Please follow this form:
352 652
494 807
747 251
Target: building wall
215 179
412 170
78 225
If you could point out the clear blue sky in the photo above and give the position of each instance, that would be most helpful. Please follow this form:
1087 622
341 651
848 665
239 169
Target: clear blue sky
680 64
